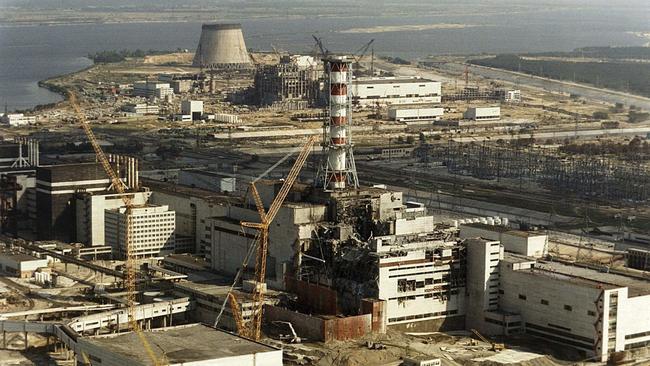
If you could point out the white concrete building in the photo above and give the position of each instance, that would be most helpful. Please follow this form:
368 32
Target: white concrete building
483 279
90 214
393 90
193 108
150 89
595 312
528 243
512 96
422 281
19 264
483 113
152 231
17 119
415 114
141 109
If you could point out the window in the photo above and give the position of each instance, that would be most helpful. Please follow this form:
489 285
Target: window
501 292
522 297
544 302
568 308
591 313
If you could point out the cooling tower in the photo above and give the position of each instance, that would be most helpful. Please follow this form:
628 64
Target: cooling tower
221 46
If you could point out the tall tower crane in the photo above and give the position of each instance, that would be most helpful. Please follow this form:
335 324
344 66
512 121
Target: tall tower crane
253 328
117 185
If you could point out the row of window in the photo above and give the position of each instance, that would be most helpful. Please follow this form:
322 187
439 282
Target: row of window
545 302
422 316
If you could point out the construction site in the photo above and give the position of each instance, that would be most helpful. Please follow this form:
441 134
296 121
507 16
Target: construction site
228 207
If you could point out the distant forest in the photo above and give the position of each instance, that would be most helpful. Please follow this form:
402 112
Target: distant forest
633 77
637 53
104 57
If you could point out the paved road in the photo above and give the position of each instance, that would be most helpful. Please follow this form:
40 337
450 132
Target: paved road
586 91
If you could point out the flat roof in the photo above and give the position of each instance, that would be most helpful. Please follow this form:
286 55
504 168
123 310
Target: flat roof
18 257
183 344
186 191
504 229
586 276
393 81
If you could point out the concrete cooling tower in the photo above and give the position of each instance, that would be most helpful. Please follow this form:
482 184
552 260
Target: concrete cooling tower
222 46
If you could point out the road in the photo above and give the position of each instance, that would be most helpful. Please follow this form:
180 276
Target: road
585 91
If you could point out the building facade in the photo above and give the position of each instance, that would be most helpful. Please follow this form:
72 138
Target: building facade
152 231
393 90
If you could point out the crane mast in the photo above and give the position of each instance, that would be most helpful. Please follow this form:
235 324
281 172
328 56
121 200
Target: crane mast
116 183
253 329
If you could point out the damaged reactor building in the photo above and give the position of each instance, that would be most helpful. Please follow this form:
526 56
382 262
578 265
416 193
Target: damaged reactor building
351 243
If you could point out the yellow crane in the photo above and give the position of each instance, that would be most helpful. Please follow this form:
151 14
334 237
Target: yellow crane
253 328
131 263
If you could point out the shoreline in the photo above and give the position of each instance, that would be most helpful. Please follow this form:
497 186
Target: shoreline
49 85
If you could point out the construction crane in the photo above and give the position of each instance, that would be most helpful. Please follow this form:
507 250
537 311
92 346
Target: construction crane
120 188
361 53
253 328
319 43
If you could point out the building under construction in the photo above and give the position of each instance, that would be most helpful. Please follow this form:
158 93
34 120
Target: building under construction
294 83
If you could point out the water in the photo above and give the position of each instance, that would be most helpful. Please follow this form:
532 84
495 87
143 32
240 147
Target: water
32 53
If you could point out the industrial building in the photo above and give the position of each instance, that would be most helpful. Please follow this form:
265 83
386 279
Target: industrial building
192 108
151 231
414 114
19 263
56 186
152 89
483 113
595 312
192 344
393 90
294 83
221 46
17 119
531 244
141 109
208 180
57 189
90 213
18 163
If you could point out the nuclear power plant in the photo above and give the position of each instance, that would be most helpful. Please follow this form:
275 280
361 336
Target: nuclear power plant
264 207
222 46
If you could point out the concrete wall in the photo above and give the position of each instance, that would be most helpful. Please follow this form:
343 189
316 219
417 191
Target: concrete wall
423 224
483 257
416 289
293 225
541 301
515 241
90 211
192 214
321 329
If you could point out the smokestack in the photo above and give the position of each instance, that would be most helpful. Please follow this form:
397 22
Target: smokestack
337 167
221 46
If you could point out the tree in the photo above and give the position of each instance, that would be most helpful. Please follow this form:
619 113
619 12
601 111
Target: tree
600 115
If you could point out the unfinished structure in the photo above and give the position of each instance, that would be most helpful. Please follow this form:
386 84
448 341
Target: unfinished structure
221 46
338 169
292 84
